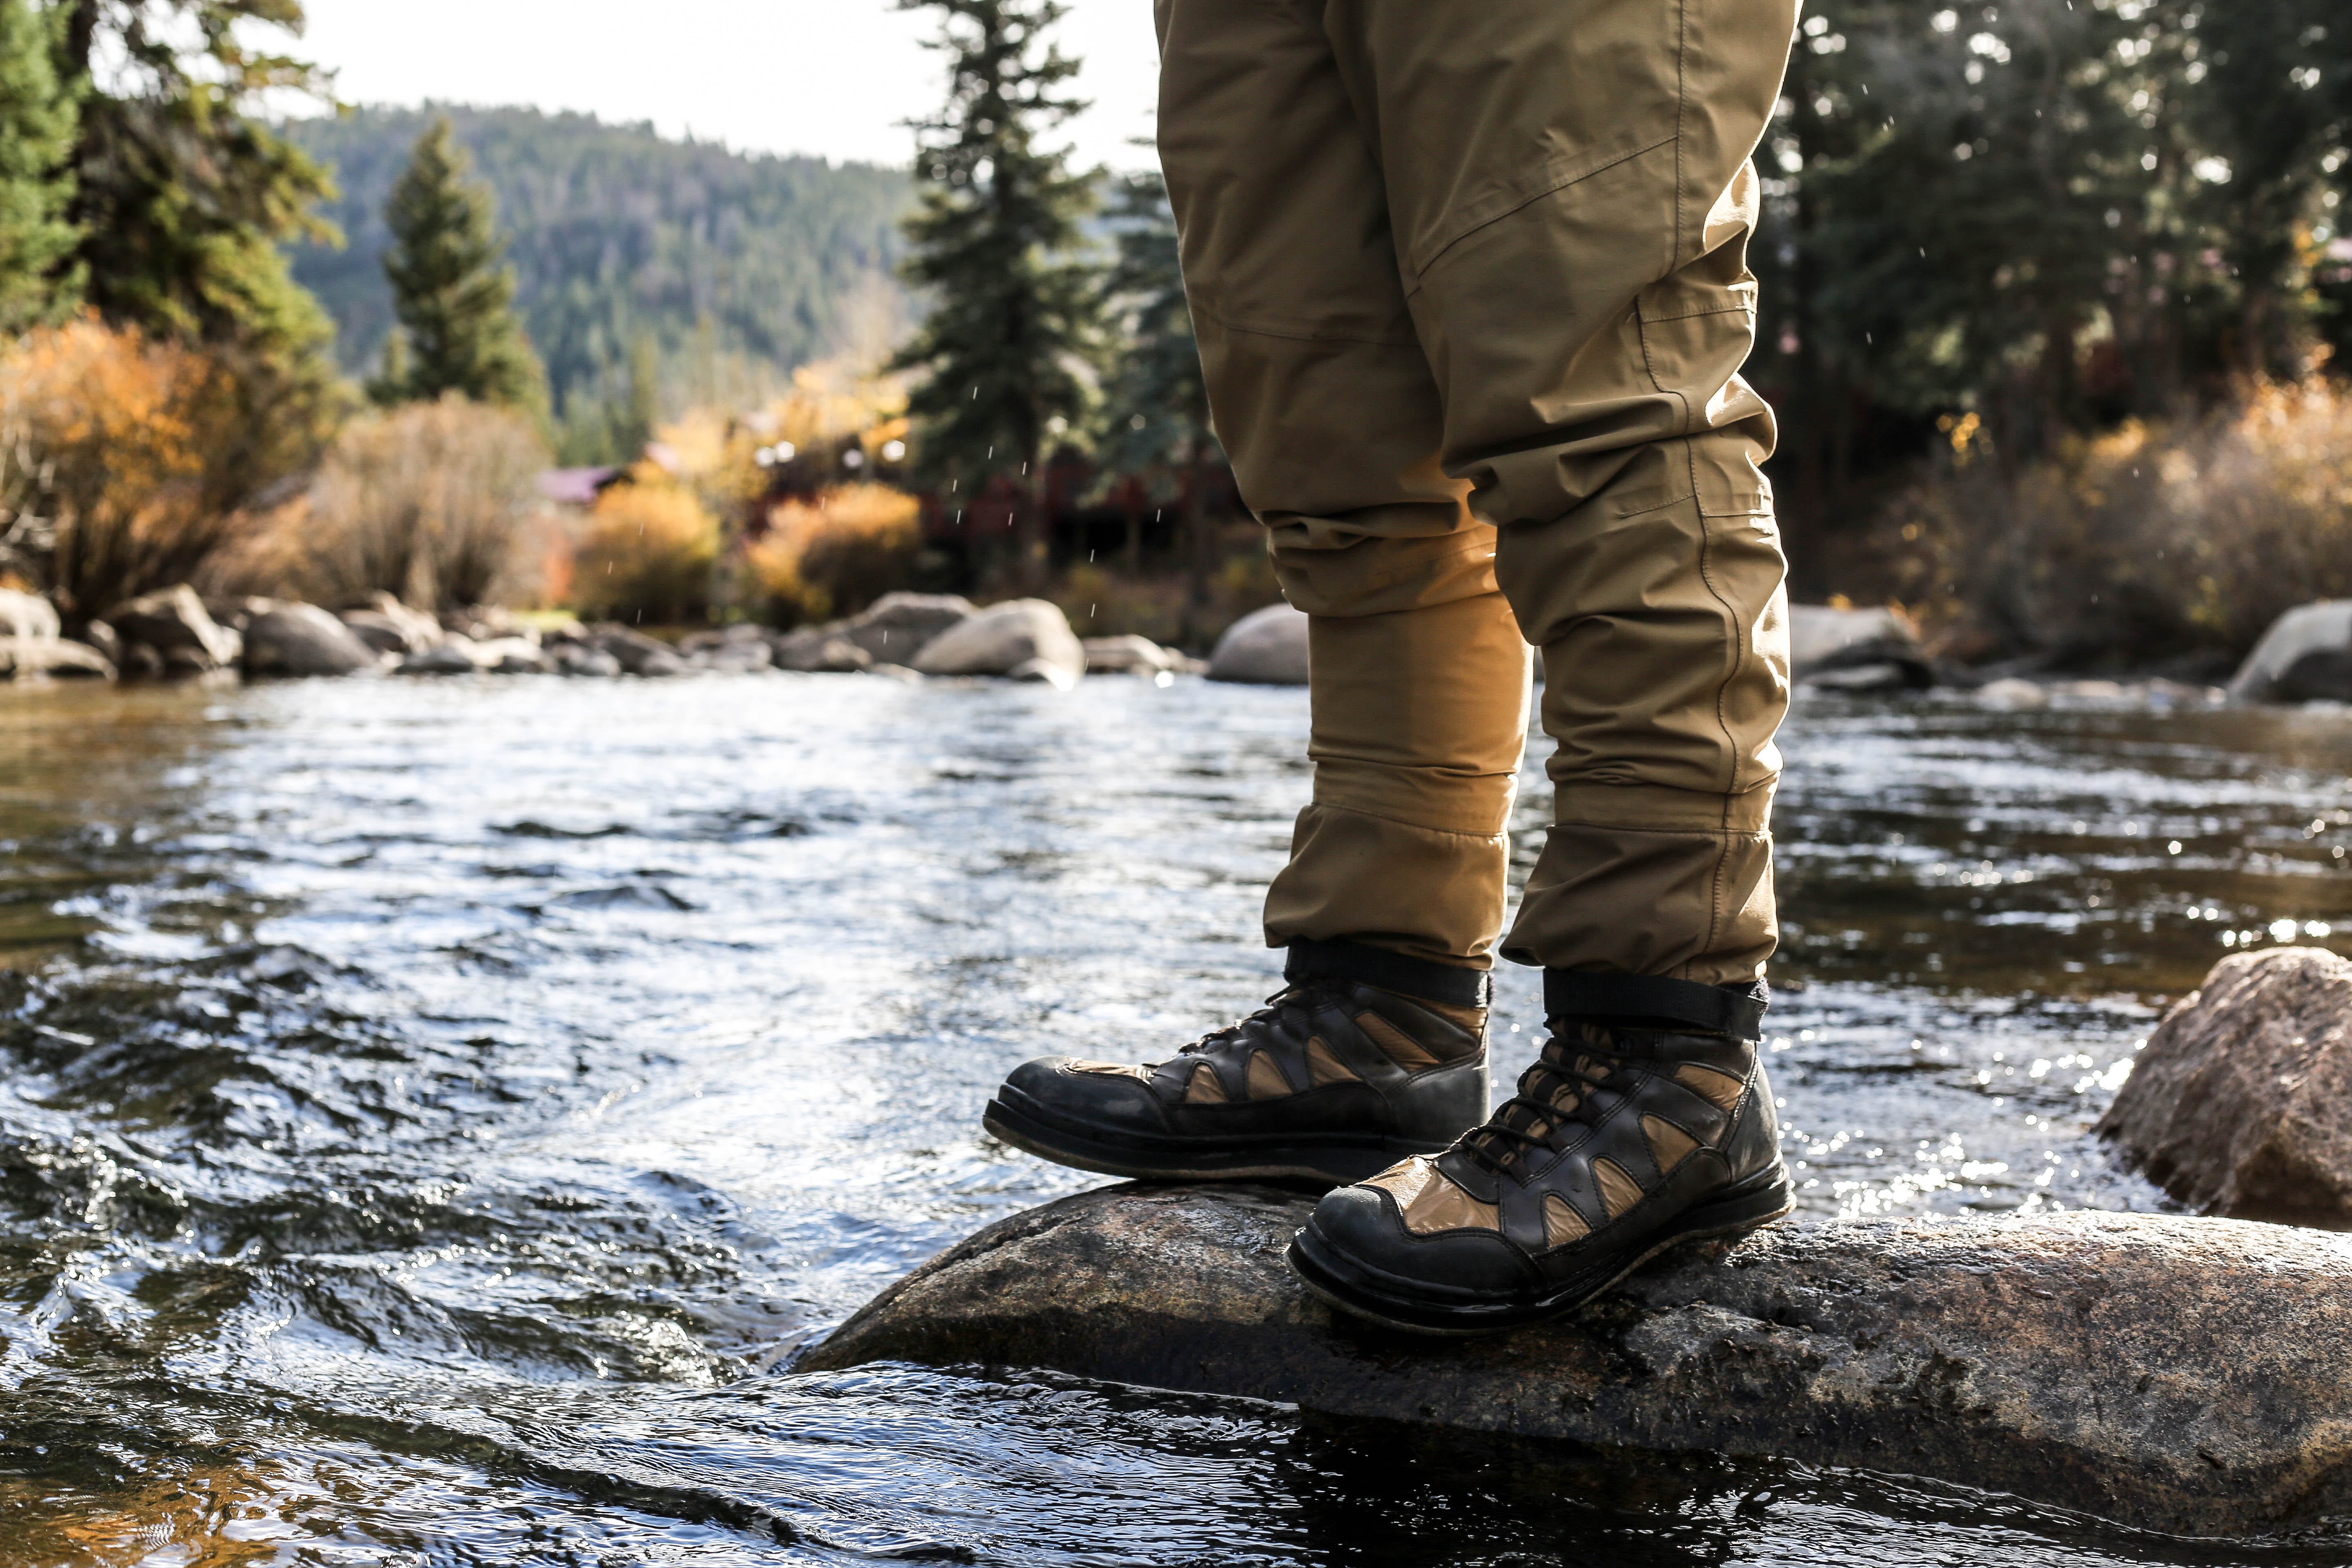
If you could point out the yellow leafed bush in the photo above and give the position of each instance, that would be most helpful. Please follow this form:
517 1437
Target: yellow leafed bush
836 556
647 553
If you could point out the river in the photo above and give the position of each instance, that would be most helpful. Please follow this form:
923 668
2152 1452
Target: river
432 1116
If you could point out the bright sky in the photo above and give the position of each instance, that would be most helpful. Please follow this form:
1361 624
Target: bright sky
830 77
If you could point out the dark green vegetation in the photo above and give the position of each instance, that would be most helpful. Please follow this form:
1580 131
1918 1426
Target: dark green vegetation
711 271
1014 306
2050 214
458 330
36 132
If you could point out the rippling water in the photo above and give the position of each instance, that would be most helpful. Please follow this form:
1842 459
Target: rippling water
433 1115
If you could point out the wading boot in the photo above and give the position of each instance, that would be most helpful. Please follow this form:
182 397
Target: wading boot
1364 1057
1645 1122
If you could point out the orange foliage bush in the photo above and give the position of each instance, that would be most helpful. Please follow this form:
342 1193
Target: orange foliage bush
126 463
836 556
647 552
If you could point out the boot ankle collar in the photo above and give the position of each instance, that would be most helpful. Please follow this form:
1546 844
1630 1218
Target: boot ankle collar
1733 1010
1340 959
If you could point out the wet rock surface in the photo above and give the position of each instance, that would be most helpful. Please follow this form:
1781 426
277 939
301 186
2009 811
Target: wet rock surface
173 631
55 658
2276 670
1026 638
1264 647
2241 1102
303 639
2172 1374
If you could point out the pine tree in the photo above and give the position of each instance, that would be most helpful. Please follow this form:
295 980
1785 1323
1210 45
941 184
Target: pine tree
1014 309
38 115
455 301
181 197
1156 403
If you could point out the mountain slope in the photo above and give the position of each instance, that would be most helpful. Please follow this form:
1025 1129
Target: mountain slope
734 266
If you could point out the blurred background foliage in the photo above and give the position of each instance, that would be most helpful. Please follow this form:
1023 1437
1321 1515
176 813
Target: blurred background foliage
2056 298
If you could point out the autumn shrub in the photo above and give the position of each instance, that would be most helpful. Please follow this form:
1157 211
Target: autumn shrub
436 503
647 553
2151 542
836 554
129 463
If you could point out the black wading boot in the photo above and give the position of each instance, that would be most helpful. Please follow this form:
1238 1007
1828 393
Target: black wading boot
1364 1056
1645 1122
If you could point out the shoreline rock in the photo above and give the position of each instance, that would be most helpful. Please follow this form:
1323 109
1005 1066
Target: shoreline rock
171 630
2172 1374
302 640
1264 647
1027 640
2241 1102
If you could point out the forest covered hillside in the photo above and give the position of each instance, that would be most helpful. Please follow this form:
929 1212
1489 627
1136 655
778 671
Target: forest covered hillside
724 268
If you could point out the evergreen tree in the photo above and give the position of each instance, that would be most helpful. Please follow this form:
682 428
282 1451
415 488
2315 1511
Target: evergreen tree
455 301
1155 401
38 115
1014 309
182 196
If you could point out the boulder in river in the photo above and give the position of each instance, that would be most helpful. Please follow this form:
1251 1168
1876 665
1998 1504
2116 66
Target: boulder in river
52 657
173 626
1130 655
1264 647
302 640
1003 637
2175 1374
2321 627
451 656
1856 650
737 648
27 616
512 656
386 624
636 653
581 658
819 650
896 626
2241 1102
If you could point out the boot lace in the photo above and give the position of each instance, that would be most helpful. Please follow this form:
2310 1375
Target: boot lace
1285 1016
1552 1095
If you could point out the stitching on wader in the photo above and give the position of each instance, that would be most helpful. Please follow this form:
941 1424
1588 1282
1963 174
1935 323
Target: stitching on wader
1690 455
1577 175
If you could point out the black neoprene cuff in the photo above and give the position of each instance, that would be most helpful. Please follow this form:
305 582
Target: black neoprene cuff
1733 1010
1340 959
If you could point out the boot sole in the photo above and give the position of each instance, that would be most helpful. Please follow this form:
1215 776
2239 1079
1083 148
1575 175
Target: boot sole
1366 1293
1336 1163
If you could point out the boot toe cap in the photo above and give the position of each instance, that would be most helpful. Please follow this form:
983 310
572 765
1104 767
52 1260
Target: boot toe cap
1053 1087
1363 1228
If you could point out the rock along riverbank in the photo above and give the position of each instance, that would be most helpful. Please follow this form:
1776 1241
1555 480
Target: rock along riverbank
2171 1374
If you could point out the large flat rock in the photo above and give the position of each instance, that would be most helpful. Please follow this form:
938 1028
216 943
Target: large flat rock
2174 1373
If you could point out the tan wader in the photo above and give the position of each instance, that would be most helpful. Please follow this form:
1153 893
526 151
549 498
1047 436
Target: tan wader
1471 287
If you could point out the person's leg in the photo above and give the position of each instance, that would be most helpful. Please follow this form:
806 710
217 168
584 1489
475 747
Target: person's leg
1572 200
1325 404
1394 891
